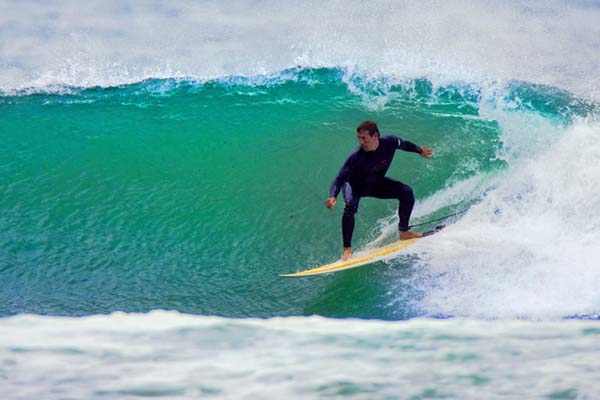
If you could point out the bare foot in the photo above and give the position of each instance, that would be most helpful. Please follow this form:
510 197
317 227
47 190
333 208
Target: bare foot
347 254
405 235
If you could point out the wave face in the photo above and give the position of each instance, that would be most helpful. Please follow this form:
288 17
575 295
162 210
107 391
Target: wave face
177 156
194 196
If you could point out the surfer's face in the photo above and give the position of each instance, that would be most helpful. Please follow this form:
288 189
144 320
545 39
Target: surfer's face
367 142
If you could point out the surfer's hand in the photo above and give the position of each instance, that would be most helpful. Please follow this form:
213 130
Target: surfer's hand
426 152
330 202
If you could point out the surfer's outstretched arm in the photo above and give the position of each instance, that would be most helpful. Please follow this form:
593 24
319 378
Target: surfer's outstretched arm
423 151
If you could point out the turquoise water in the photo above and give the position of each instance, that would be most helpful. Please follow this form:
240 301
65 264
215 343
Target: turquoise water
161 164
196 196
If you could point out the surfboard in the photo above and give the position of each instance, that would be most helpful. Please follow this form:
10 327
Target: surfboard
363 258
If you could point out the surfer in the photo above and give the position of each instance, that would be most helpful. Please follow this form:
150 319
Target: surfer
363 175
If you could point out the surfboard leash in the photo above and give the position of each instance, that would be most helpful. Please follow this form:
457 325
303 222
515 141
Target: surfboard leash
440 218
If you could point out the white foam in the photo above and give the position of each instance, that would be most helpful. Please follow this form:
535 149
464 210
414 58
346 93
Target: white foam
167 354
529 248
109 43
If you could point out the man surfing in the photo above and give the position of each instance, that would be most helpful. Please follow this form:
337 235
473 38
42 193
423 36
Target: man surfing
363 175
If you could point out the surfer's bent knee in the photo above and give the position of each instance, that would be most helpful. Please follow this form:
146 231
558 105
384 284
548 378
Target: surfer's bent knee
350 209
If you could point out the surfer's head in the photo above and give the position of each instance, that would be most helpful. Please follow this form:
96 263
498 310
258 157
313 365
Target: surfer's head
368 135
369 126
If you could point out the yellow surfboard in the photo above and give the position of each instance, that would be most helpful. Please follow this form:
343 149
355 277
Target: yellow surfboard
362 258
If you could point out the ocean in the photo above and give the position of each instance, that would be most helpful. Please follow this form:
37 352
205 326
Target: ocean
162 163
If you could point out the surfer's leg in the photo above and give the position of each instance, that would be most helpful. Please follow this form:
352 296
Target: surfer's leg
391 189
407 202
350 210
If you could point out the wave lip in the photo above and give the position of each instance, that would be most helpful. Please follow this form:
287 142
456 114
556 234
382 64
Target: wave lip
554 44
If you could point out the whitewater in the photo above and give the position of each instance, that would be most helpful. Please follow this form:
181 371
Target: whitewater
162 163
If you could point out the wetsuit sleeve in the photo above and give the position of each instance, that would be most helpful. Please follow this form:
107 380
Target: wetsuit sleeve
408 146
341 178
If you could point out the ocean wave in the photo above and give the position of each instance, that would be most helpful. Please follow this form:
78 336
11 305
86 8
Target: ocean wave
155 174
376 91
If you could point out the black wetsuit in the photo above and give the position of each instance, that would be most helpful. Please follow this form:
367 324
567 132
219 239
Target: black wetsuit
363 175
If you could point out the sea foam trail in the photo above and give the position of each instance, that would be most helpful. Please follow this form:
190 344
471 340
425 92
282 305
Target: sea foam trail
109 43
529 247
172 355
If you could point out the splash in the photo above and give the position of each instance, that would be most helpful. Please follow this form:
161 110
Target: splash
528 249
48 44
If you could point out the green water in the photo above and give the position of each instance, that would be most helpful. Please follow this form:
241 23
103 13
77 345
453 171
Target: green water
195 196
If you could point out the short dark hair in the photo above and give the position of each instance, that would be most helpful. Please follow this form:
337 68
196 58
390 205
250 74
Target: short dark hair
369 126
